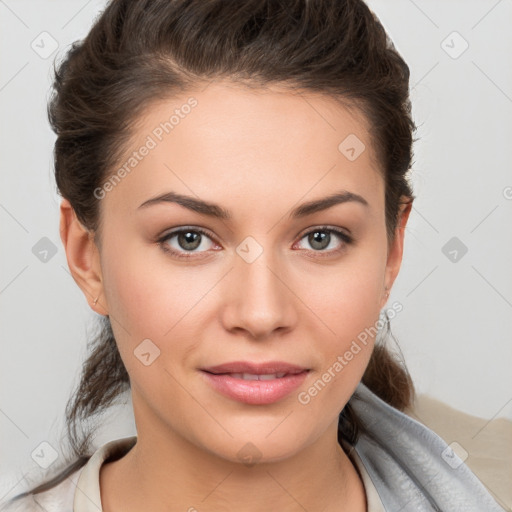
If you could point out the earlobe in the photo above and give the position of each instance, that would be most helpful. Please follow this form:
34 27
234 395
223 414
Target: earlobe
82 256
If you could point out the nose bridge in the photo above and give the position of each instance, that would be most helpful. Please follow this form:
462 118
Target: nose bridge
260 302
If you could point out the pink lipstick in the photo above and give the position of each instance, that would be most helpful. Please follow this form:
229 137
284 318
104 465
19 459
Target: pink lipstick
255 383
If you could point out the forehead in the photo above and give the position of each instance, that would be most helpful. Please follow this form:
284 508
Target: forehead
226 141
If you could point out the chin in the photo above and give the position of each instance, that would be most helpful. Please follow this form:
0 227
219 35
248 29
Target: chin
259 445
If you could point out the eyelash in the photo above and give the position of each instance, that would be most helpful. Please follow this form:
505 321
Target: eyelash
346 239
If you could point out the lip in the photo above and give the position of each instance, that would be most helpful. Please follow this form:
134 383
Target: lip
255 392
255 368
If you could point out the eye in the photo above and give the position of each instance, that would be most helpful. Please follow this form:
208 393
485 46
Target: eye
321 238
187 240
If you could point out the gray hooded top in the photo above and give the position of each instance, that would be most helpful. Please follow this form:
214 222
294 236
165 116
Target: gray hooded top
412 468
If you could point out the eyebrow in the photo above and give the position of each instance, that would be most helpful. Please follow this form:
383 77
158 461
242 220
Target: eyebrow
216 211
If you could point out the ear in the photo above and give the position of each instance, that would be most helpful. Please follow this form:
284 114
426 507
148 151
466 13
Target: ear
395 251
83 257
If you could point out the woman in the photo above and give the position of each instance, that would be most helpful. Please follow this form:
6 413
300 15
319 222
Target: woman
235 198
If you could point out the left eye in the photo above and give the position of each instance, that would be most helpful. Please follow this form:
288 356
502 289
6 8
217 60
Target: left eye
321 238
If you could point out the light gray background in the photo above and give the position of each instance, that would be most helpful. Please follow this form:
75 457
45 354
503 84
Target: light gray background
455 327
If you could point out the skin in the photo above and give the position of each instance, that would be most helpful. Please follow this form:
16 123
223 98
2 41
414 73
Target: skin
258 153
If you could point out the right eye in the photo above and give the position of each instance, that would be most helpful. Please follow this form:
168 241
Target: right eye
187 240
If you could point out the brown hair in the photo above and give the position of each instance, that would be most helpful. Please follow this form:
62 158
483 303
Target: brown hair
138 52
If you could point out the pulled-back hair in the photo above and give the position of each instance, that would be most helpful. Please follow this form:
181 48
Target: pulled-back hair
138 52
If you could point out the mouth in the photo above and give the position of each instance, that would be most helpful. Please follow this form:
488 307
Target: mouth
255 384
255 376
277 368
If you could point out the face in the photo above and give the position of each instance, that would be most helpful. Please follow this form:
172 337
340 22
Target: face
269 281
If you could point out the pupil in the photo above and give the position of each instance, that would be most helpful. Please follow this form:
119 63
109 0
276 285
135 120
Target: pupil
318 238
190 240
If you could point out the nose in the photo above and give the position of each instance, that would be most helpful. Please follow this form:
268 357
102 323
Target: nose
259 297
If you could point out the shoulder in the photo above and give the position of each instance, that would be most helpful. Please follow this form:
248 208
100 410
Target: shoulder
79 489
479 442
56 499
411 466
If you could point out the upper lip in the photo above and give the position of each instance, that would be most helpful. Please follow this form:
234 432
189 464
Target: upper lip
266 368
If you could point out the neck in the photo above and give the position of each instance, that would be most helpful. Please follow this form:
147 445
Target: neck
164 470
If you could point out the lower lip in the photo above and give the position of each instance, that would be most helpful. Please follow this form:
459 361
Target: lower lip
255 392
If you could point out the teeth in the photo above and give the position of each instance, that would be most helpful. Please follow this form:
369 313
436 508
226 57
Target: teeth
252 376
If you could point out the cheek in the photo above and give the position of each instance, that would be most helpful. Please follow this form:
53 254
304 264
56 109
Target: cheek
149 298
144 294
347 297
352 316
140 300
347 309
